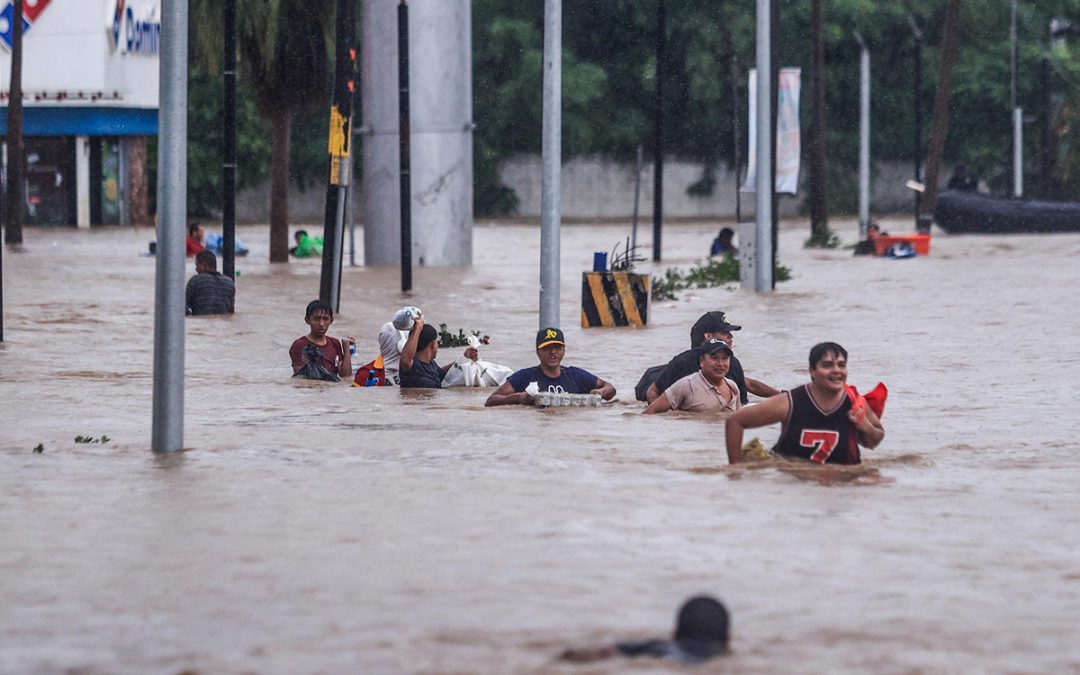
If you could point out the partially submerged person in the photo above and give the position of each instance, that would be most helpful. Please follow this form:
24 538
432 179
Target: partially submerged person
196 235
706 391
710 326
208 292
868 246
418 368
306 246
550 375
723 244
820 421
701 633
392 338
318 356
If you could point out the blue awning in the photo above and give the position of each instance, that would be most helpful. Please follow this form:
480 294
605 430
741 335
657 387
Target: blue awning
69 121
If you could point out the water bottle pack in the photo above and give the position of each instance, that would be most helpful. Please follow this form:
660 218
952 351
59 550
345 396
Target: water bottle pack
556 396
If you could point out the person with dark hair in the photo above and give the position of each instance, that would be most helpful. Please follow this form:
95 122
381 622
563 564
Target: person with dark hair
208 292
711 326
868 246
417 366
306 247
195 236
722 244
317 355
701 633
706 391
823 421
550 375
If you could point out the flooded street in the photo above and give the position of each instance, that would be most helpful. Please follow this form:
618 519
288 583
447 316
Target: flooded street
319 528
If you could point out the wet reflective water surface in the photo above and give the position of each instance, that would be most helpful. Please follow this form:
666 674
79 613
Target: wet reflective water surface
312 527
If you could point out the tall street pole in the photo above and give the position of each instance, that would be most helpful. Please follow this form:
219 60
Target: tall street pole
1017 112
658 130
228 163
763 250
551 176
168 403
864 135
340 136
404 147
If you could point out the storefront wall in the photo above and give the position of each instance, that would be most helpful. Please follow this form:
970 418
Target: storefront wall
90 96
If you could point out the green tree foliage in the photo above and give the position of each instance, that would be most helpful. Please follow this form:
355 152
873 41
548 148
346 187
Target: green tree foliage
609 78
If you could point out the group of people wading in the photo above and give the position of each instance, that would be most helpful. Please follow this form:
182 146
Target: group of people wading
824 421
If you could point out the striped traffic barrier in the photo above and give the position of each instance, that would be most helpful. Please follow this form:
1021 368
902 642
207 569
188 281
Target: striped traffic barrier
614 299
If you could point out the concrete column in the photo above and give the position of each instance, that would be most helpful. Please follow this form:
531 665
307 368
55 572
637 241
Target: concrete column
440 79
82 181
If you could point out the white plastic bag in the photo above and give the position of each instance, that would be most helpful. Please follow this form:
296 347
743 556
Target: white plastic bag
468 373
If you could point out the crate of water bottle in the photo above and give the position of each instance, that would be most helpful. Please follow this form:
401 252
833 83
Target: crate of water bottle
554 399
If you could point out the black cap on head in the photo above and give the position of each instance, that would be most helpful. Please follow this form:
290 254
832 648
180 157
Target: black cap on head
710 322
702 627
712 346
549 336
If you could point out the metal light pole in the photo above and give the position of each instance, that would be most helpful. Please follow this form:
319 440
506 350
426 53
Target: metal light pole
550 189
763 258
228 161
168 403
1018 112
864 135
917 148
658 130
405 181
337 185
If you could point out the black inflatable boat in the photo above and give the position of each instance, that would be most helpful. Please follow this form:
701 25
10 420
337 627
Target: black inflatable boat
971 212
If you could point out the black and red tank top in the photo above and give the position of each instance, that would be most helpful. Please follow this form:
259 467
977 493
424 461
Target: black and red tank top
822 436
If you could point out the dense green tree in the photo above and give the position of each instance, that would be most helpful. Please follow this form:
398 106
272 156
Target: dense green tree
285 54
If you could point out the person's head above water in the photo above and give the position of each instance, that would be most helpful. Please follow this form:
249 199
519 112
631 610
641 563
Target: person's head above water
726 234
319 306
205 261
702 626
712 325
196 231
299 235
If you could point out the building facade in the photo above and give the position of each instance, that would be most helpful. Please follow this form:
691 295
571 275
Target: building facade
90 96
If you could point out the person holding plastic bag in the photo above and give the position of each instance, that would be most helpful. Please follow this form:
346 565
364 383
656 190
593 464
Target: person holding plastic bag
418 368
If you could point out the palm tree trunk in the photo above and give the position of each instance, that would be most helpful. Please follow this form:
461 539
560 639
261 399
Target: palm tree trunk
281 122
16 202
819 216
939 124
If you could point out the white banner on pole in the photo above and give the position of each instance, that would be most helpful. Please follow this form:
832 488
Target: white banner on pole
788 136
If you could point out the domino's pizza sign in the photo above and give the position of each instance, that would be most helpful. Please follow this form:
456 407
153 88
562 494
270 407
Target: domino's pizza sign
32 9
132 32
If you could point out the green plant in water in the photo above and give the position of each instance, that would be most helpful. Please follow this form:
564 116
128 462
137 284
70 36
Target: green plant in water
826 239
448 339
716 272
39 448
91 439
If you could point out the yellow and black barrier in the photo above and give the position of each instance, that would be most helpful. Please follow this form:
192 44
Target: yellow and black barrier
614 299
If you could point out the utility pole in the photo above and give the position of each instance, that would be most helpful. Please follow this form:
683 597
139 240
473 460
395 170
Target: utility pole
168 400
864 135
404 147
551 176
228 162
16 203
340 136
658 130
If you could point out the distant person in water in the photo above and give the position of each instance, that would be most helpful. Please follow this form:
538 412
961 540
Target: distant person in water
868 246
208 292
722 244
963 179
196 235
701 633
306 247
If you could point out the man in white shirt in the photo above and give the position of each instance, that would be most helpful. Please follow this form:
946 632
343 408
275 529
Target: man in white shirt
392 338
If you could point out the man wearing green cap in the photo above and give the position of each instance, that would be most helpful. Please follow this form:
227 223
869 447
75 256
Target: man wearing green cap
550 375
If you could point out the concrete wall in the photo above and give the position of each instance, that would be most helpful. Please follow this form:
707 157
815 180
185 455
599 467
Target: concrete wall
597 189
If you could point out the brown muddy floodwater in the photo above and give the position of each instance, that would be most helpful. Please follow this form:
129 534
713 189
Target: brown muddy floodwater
315 528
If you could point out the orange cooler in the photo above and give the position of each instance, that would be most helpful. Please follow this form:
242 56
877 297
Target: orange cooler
920 242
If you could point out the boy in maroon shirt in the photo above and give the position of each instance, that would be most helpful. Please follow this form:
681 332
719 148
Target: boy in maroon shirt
329 352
